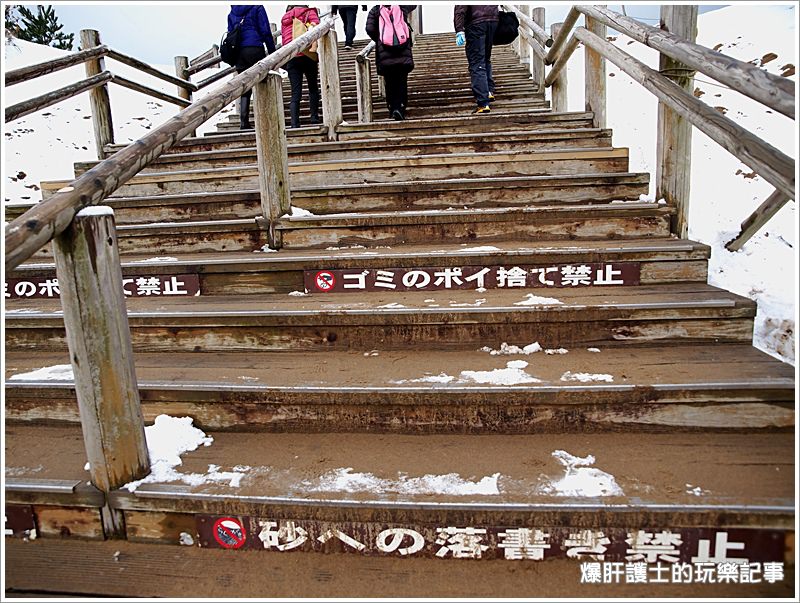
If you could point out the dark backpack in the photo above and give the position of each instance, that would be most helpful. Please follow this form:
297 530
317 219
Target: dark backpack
507 28
230 47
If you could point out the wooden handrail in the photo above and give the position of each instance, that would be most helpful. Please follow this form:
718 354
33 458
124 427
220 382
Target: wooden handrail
539 34
217 76
773 165
210 62
131 85
362 56
142 66
774 91
51 98
23 74
563 34
32 230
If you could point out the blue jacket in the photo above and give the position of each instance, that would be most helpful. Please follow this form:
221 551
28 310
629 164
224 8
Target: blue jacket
255 29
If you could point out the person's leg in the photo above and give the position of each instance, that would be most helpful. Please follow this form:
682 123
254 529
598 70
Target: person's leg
244 111
311 70
402 84
296 82
476 57
393 93
249 56
349 22
490 29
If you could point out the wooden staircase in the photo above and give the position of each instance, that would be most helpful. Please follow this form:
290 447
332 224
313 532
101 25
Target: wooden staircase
309 395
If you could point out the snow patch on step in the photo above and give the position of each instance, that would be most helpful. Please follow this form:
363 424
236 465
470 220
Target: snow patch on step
57 372
452 484
506 349
513 374
155 259
580 478
535 300
167 440
587 377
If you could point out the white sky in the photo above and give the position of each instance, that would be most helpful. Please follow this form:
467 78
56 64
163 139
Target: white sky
156 32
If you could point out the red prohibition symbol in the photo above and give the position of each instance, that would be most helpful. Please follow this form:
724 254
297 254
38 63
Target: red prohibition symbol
324 280
229 533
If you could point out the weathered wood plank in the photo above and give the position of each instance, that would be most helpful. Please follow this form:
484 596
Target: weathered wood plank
216 77
595 74
674 132
364 90
330 85
562 36
181 82
90 280
758 219
537 61
101 105
56 96
774 91
131 85
773 165
23 74
61 522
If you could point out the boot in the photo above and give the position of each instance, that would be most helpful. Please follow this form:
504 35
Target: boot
313 100
294 113
244 113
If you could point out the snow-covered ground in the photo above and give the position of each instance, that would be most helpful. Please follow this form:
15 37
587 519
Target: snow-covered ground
44 145
724 192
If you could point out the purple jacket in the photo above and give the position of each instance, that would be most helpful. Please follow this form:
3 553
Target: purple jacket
255 28
466 14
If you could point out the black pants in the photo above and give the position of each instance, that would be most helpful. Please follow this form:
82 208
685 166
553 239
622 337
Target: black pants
396 80
479 56
249 56
349 22
297 68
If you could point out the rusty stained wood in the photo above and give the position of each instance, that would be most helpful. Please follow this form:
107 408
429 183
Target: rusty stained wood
56 96
674 132
24 74
595 75
776 92
774 166
101 104
68 522
273 160
162 528
95 317
31 231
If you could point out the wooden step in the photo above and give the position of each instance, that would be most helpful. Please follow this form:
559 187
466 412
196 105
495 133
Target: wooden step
245 273
669 388
358 485
591 316
387 147
379 169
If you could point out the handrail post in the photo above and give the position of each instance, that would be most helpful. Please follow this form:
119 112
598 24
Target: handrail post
364 90
99 99
674 141
415 20
595 77
329 82
558 92
517 45
273 157
524 49
537 65
98 336
182 71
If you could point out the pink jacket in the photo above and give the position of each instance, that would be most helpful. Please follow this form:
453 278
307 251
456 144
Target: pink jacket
306 15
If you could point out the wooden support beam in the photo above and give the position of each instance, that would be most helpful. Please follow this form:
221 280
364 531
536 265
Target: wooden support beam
563 34
209 62
774 91
770 163
329 82
557 78
167 98
523 48
181 65
595 76
674 132
364 90
216 77
51 98
23 74
96 323
145 68
758 219
273 158
537 63
99 99
211 52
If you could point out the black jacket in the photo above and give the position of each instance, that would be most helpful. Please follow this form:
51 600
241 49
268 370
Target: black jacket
335 7
387 57
466 14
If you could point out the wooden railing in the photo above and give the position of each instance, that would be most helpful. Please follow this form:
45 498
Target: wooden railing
364 83
679 109
88 267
